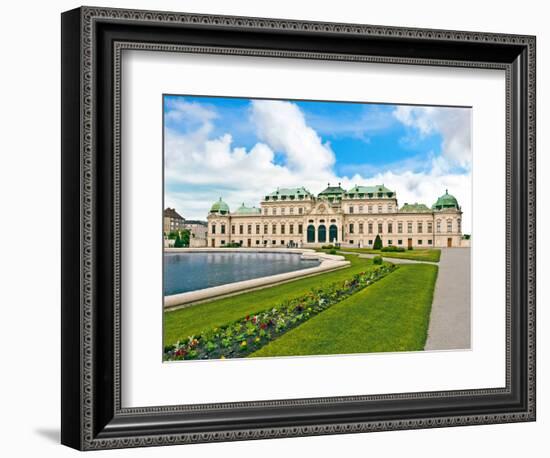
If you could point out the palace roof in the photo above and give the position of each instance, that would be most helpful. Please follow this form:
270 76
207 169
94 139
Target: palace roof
378 190
332 191
414 208
243 210
288 193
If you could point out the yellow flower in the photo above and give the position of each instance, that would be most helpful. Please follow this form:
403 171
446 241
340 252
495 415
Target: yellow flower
243 343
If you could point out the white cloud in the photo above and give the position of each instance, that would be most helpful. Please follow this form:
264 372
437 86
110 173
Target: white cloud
214 167
453 124
283 127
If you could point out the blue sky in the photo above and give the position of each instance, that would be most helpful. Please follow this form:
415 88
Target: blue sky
241 149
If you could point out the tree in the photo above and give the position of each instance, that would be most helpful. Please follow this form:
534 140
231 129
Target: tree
377 243
185 236
178 243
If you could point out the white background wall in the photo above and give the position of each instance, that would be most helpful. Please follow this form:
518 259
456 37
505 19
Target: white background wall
30 196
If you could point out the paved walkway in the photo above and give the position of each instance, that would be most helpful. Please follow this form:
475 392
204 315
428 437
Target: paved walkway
450 319
449 327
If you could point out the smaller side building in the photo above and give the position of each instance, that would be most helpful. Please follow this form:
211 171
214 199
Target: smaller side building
172 221
198 233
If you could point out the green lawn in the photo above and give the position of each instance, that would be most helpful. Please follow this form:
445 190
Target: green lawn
431 255
179 324
391 315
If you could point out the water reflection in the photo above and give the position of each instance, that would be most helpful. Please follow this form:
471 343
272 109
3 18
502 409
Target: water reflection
191 271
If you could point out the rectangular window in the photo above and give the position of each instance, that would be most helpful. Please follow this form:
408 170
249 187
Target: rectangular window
282 211
223 242
429 242
419 227
300 228
223 228
390 242
400 242
390 208
370 208
213 231
274 211
291 229
282 229
360 228
300 210
273 229
265 211
241 229
351 228
390 228
459 224
430 227
257 229
291 210
282 242
370 242
274 242
449 225
370 228
399 228
379 228
265 229
351 209
360 209
409 227
379 208
438 225
249 229
233 229
420 242
257 242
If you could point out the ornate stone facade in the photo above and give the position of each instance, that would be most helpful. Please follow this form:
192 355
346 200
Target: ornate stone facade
295 217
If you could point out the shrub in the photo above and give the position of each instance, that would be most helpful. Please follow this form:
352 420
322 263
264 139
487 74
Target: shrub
327 247
377 243
393 249
410 248
231 245
377 260
332 251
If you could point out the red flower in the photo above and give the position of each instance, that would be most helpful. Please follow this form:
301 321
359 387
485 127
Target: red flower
247 317
263 325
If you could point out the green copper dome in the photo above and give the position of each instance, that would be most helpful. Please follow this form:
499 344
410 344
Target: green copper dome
446 201
219 207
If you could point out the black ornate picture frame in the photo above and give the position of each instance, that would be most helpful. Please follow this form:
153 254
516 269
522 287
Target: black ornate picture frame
92 42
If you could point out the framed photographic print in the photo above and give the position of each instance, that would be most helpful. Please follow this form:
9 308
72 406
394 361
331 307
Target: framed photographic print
278 228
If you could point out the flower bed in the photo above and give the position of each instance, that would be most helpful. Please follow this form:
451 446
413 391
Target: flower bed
244 336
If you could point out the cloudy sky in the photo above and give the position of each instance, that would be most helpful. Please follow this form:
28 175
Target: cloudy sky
241 149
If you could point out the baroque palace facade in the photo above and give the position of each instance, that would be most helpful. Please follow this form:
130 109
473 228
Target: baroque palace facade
293 217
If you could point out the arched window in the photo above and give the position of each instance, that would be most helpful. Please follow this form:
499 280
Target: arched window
311 233
322 234
332 233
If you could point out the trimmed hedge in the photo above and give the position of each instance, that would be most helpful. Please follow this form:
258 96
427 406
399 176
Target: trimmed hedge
393 249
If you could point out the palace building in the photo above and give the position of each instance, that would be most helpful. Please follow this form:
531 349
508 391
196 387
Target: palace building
294 217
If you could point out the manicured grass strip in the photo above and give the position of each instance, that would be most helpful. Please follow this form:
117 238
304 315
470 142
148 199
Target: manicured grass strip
252 332
179 324
391 315
430 255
